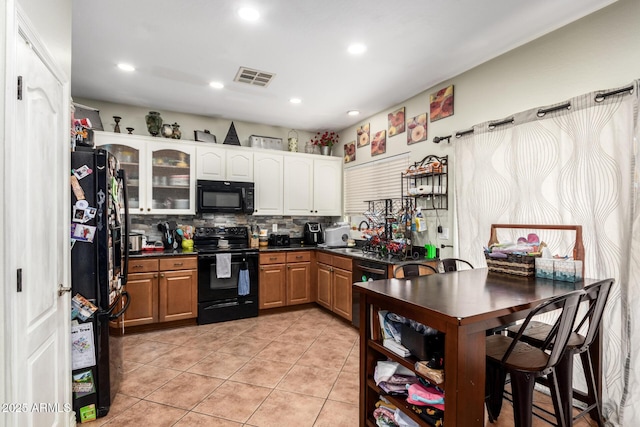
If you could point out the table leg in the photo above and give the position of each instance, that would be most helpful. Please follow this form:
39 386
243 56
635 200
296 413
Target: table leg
464 368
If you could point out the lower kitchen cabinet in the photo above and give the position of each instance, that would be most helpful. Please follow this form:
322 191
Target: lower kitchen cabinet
162 290
285 279
334 284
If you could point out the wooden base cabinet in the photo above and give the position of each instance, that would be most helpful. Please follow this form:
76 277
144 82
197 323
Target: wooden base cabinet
284 279
162 290
334 284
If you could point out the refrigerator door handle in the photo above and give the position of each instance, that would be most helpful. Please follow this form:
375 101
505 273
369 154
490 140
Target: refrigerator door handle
125 274
124 294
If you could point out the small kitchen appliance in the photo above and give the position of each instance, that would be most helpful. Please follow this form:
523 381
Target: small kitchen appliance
312 233
279 240
336 236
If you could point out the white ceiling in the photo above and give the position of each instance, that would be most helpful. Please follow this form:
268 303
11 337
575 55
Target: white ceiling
178 47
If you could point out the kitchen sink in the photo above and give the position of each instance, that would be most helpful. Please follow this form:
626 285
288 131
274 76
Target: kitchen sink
348 251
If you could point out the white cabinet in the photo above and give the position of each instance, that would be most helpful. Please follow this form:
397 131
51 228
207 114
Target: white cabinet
312 186
268 174
298 185
327 187
211 163
239 165
217 163
159 173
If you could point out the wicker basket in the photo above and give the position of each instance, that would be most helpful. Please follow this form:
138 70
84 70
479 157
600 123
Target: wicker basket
520 265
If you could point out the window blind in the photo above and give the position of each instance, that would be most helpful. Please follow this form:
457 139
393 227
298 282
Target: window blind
380 179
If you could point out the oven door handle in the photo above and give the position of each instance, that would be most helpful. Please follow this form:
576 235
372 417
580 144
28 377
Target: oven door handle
371 270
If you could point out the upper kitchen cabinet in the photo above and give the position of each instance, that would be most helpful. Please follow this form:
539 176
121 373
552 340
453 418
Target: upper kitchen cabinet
217 163
327 186
160 177
298 185
268 172
312 186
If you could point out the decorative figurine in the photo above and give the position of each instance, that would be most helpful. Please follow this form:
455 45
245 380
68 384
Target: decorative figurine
116 128
130 130
154 122
177 133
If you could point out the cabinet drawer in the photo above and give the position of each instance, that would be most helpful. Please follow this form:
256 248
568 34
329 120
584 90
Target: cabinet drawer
299 256
174 263
324 258
342 262
273 258
138 265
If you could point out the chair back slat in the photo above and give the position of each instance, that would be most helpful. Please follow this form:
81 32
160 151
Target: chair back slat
451 264
560 333
597 295
413 269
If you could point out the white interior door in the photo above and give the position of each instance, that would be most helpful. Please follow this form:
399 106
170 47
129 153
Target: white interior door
36 203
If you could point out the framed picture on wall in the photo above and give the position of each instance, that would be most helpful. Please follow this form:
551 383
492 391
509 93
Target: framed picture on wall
417 129
379 143
441 104
363 135
350 152
396 122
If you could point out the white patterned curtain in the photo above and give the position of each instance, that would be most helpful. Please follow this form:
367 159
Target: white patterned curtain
575 165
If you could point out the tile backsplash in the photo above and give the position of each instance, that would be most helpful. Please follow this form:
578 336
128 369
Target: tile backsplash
294 226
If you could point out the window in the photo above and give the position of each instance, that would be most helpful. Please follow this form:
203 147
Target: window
379 179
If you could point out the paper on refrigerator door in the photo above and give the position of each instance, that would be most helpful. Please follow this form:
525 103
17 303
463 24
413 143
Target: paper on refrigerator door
83 353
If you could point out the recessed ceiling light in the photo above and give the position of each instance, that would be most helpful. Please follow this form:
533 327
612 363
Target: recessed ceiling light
216 85
249 14
126 67
353 112
295 100
357 49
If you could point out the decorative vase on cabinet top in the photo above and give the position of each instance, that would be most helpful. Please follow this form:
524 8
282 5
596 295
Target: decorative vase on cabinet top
154 122
177 134
167 130
325 150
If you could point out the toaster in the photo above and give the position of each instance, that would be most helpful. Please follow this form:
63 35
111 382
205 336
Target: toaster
336 236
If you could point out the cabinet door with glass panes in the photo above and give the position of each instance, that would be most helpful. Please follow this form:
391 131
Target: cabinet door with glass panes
171 179
131 153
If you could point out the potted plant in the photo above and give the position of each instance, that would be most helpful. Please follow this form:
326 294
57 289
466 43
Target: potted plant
325 140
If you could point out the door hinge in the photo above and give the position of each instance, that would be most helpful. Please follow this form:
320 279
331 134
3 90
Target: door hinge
19 88
19 281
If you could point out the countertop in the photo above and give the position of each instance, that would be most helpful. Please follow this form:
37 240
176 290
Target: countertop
352 252
165 253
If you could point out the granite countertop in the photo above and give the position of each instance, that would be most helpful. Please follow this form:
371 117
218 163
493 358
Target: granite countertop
166 252
352 252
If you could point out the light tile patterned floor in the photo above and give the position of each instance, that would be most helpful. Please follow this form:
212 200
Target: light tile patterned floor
298 368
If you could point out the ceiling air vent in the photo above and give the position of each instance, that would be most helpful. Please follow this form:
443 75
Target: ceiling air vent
254 77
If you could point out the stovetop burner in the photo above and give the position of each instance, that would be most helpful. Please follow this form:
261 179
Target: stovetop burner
206 239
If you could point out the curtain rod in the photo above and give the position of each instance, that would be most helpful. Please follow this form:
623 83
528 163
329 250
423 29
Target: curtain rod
464 132
494 125
543 111
604 95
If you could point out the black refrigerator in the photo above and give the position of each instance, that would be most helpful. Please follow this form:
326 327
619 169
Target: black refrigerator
99 263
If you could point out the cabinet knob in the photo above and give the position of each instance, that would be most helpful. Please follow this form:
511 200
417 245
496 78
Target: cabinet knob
155 276
161 274
261 268
141 209
288 266
148 209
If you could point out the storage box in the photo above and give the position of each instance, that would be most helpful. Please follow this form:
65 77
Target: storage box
204 136
265 142
519 265
544 268
423 347
567 270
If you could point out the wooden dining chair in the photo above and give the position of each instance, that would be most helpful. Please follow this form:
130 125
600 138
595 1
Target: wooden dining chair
525 363
413 269
454 264
595 296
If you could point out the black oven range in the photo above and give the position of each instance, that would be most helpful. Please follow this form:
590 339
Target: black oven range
227 274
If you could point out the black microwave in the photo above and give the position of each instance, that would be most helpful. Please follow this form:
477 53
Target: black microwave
225 196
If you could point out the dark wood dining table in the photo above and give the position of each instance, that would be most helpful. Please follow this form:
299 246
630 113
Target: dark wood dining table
463 305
